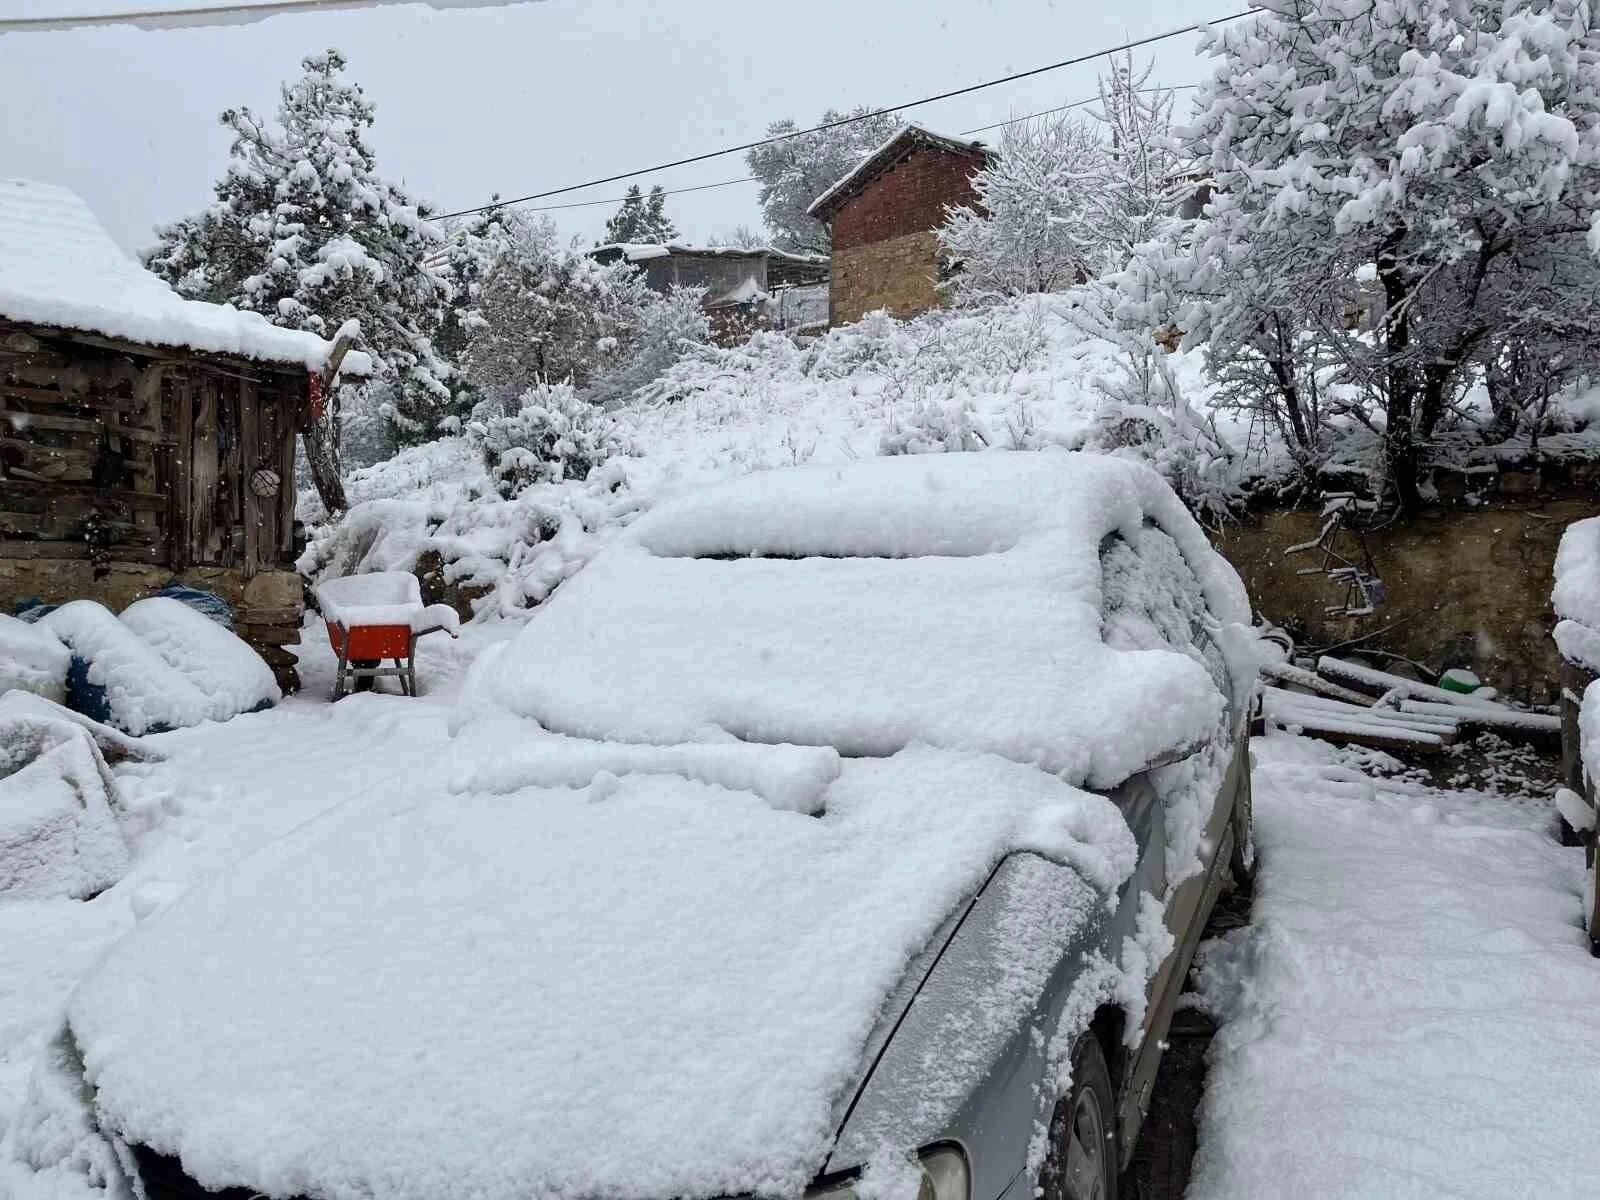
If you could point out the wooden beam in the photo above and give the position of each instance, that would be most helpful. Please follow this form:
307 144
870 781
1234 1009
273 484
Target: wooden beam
14 548
342 345
19 419
47 489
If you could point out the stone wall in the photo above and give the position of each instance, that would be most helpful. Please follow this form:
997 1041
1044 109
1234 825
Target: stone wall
266 608
900 274
1468 586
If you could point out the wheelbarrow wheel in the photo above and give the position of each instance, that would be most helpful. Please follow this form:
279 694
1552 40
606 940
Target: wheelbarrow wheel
364 683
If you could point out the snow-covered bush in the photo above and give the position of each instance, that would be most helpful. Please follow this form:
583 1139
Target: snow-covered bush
550 434
935 427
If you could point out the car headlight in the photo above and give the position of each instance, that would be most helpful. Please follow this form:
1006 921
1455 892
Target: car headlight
944 1172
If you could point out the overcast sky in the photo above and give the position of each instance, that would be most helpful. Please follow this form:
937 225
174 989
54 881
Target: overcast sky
540 95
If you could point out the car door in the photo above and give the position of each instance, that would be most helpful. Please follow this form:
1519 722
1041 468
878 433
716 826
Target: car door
1152 600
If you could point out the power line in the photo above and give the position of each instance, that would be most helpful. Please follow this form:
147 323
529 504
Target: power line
1078 60
706 187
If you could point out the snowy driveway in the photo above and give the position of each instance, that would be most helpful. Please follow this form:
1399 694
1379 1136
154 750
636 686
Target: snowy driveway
1414 1011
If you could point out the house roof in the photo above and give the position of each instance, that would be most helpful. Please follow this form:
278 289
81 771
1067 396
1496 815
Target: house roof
881 159
60 268
636 252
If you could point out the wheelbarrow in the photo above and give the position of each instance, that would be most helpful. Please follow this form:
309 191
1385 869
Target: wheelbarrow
378 617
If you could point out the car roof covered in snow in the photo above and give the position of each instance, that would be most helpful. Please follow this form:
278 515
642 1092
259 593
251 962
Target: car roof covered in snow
952 600
59 268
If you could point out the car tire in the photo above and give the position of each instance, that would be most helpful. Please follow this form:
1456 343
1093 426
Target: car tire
1083 1163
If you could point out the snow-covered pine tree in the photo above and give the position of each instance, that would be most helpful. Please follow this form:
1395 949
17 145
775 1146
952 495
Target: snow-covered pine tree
1448 150
1031 230
795 171
641 219
305 231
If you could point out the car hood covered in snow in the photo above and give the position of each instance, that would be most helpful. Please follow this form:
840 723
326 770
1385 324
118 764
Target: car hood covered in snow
953 600
589 971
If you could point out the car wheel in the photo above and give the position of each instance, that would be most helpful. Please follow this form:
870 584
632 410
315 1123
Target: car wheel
1083 1160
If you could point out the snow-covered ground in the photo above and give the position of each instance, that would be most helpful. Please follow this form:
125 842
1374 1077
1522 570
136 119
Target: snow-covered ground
1412 1011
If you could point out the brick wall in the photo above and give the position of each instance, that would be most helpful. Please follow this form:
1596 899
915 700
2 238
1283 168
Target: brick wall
885 254
909 197
898 274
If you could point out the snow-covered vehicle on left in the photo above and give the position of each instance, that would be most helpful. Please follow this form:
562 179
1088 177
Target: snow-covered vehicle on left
838 831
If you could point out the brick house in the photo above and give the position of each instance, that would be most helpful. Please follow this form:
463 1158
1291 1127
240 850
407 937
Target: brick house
884 215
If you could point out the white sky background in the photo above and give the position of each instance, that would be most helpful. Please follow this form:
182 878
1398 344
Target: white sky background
535 96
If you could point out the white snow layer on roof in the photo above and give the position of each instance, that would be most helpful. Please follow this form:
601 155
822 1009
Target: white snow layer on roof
59 267
503 996
1576 596
952 600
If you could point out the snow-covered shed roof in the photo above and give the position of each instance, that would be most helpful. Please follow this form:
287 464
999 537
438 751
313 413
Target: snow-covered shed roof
60 268
912 136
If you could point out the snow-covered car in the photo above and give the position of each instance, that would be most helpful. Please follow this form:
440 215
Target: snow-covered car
837 832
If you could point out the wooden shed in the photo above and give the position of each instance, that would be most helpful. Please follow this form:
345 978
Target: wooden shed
144 438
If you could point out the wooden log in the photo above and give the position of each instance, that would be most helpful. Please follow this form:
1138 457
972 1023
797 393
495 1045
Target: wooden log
120 552
1379 683
1287 673
35 395
1377 737
51 489
1509 721
1313 707
20 419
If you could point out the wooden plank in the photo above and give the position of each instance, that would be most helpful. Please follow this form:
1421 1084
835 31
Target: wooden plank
1285 709
34 395
55 489
21 419
46 525
1287 673
179 510
288 409
249 455
1509 721
1377 683
204 539
1376 737
121 552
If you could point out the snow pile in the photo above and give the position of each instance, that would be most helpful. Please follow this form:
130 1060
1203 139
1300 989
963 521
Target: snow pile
1415 961
953 600
32 659
503 756
58 834
580 916
164 667
1576 596
59 267
225 669
383 598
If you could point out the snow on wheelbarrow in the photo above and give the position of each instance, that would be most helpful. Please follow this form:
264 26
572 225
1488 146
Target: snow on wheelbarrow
376 617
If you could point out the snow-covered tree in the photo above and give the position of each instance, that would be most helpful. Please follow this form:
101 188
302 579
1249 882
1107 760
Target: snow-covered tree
1449 150
642 219
1144 178
305 231
548 313
546 434
795 171
1031 230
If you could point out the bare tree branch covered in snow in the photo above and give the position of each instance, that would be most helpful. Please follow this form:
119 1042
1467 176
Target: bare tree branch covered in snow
1031 230
1434 161
1144 178
797 170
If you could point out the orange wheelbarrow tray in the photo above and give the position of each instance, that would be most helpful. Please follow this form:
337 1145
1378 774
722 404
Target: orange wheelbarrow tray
376 617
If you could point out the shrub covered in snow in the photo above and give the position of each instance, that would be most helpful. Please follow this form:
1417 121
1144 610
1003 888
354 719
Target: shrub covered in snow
548 434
